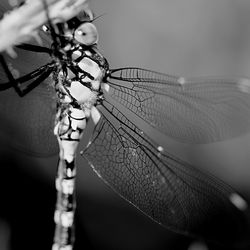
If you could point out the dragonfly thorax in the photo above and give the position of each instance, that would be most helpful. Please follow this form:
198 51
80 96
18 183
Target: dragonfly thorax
78 81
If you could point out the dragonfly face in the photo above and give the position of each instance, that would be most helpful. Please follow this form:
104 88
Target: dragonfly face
86 34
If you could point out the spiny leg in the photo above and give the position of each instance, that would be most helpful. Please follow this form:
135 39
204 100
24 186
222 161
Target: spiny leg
34 48
39 75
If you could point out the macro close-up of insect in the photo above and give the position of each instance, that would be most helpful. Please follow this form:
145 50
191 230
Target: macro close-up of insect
58 90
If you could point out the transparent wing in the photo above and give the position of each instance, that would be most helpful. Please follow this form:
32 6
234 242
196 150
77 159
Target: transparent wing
162 186
27 122
198 110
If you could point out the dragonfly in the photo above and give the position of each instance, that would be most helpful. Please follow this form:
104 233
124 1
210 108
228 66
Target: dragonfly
61 86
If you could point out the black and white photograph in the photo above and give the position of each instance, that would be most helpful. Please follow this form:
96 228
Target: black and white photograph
124 125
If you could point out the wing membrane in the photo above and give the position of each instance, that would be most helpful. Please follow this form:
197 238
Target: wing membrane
165 188
27 123
197 110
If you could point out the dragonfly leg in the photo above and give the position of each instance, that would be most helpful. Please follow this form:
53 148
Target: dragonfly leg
34 84
39 75
34 48
69 129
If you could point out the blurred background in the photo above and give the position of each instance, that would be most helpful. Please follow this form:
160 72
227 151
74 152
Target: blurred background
187 38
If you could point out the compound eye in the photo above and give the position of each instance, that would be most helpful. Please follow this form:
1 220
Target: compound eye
45 28
86 34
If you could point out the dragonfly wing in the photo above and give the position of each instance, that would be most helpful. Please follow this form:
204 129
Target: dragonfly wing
27 122
197 110
171 192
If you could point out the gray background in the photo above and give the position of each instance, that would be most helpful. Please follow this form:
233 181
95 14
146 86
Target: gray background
188 38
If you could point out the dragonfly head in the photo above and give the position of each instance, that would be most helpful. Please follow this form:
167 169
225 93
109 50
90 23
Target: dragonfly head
86 34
